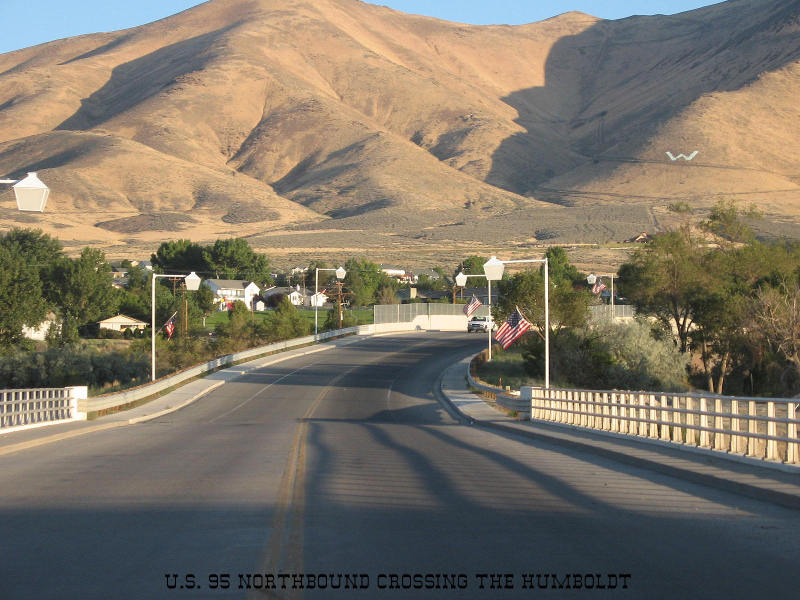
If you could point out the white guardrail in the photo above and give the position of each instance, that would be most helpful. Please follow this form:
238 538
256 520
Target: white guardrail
759 428
24 409
764 428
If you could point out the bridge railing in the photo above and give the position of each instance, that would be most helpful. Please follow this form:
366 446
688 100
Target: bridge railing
764 428
22 409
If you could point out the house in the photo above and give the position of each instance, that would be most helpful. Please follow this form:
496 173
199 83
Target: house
121 323
318 300
39 332
296 295
642 238
227 291
398 273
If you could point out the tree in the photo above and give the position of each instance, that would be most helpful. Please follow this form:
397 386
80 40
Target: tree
569 307
287 322
561 270
663 279
20 296
179 256
81 288
472 265
363 280
776 314
233 258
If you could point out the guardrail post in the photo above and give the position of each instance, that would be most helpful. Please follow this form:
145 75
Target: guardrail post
705 439
677 430
792 448
653 429
719 438
76 394
690 422
665 418
772 444
752 428
624 424
643 425
738 442
614 412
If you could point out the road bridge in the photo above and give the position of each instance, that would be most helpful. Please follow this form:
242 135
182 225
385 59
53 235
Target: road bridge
345 470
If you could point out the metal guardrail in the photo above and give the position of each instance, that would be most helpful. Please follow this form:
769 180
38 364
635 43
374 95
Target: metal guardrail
22 409
116 400
764 428
499 396
406 313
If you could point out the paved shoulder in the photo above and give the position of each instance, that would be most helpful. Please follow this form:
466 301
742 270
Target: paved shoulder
704 467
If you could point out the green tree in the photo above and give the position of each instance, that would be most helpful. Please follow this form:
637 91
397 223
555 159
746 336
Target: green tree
472 265
287 322
561 270
569 307
664 278
81 288
233 258
179 256
20 296
363 280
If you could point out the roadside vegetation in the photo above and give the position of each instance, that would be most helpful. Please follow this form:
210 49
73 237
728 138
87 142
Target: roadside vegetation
718 309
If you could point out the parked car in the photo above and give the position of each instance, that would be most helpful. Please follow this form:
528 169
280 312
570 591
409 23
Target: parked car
479 324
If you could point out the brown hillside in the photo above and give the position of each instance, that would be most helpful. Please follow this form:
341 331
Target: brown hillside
290 121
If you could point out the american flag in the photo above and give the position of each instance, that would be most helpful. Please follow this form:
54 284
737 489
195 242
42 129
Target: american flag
169 326
472 306
598 287
513 328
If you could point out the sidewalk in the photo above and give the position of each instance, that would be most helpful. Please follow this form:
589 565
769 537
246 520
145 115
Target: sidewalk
778 484
175 400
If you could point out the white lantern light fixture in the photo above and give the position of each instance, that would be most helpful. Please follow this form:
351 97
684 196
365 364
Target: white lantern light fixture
192 281
591 279
461 279
494 269
31 193
340 273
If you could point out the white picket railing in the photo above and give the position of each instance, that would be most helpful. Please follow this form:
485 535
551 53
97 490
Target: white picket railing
764 428
22 409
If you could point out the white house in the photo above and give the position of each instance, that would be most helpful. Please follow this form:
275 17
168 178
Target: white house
39 332
319 299
296 295
227 291
121 323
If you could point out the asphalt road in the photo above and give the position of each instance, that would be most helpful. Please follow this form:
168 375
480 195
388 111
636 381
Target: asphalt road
344 466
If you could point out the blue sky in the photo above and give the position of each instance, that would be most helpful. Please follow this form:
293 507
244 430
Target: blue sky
31 22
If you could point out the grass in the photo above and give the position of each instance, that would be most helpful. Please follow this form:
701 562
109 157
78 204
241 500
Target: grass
506 369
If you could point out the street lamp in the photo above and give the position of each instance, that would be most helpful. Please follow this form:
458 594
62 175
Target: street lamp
494 268
340 274
192 282
31 193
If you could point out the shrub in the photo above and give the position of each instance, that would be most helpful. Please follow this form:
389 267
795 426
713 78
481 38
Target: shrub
610 356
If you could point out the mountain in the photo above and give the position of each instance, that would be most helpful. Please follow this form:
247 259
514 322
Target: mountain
340 125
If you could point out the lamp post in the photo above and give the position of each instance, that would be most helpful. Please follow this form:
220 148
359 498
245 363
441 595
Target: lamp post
495 267
461 281
192 282
31 193
340 274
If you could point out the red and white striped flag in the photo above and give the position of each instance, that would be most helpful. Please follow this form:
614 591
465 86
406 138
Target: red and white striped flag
598 287
472 306
169 326
516 324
